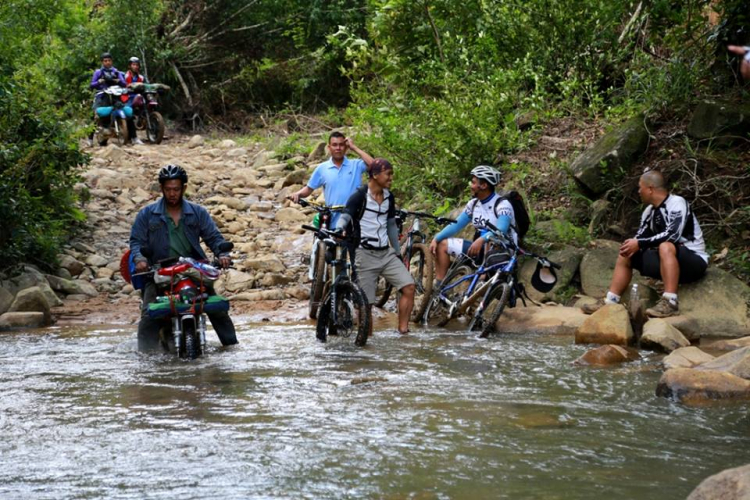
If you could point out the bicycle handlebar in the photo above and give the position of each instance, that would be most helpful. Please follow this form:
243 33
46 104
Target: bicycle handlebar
508 242
320 208
439 220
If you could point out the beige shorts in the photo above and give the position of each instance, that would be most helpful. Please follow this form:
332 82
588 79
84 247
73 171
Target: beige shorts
372 264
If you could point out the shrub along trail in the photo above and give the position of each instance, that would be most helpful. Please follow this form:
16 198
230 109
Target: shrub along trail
243 187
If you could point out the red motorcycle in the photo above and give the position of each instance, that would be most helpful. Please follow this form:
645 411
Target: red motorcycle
146 113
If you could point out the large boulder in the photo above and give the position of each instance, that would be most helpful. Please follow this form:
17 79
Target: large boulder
596 269
548 319
596 168
568 257
72 287
736 362
661 336
686 357
731 344
31 300
608 355
730 484
714 119
689 327
608 325
719 302
692 386
26 319
6 299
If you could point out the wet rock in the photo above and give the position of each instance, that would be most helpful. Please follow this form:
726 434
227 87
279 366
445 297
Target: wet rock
27 319
731 484
616 151
298 292
731 345
719 303
689 327
265 263
290 214
692 386
568 257
74 266
608 325
713 119
227 144
233 203
608 355
277 294
686 357
196 141
661 336
548 319
735 362
6 299
596 270
31 300
97 261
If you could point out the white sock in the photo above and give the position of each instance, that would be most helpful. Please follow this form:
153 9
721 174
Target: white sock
671 297
612 298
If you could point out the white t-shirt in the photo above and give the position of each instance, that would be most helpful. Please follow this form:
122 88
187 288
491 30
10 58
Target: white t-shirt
488 210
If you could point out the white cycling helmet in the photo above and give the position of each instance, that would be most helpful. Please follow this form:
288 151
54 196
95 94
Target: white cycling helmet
487 174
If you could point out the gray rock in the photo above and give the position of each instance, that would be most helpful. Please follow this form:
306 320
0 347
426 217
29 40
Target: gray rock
31 300
64 274
598 167
686 357
196 141
736 362
83 247
290 214
263 158
719 303
713 119
74 266
596 271
689 327
97 261
233 203
730 484
608 325
236 153
569 259
227 144
26 319
71 287
731 345
318 152
6 299
296 177
599 210
265 263
661 336
52 299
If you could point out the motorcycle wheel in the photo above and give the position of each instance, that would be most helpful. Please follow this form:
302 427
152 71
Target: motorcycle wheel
316 287
121 129
189 341
155 127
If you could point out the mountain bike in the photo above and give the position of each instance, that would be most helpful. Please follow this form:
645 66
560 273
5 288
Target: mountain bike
318 272
344 311
494 283
417 259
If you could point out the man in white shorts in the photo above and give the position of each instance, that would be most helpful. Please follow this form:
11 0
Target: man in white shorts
371 210
485 206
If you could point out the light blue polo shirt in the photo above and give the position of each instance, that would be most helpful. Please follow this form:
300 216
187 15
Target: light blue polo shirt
338 183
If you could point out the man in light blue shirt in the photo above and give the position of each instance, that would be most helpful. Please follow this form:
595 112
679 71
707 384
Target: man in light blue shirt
339 176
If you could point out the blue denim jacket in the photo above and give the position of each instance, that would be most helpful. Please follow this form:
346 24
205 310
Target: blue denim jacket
150 230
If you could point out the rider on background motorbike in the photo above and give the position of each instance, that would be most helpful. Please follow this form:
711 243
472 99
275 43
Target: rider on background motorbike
133 75
173 227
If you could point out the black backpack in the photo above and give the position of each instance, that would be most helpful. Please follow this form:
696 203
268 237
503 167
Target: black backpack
523 221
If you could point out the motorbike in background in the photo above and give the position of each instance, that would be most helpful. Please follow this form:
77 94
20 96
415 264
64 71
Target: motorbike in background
112 116
146 109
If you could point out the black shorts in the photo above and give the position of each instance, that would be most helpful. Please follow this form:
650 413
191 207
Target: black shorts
692 266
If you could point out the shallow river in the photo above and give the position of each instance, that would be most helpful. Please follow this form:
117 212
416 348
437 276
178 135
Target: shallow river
433 415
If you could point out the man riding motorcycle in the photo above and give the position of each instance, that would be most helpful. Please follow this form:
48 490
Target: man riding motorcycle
173 227
133 75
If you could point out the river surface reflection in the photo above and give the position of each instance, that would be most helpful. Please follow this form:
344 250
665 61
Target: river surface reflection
436 414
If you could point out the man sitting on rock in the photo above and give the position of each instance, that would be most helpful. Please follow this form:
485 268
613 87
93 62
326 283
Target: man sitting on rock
668 246
339 176
745 63
173 227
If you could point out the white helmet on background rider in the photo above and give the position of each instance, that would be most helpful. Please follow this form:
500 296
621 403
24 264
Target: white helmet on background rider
488 174
134 60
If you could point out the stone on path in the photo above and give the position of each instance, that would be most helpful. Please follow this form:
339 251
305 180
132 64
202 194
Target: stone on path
686 357
597 167
74 266
608 325
661 336
227 144
26 319
607 355
236 153
234 203
97 261
237 281
31 300
290 214
692 386
270 263
196 141
730 484
298 292
276 294
547 319
72 287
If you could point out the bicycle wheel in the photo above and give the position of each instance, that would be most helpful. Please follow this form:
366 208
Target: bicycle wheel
422 270
382 292
316 287
494 308
353 315
438 312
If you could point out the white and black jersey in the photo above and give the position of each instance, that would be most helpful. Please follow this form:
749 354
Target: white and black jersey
671 221
370 218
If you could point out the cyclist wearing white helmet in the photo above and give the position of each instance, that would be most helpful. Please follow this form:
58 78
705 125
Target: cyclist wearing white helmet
485 206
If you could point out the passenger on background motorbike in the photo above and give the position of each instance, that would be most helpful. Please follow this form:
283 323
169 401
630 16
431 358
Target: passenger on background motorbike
339 176
133 75
486 206
173 227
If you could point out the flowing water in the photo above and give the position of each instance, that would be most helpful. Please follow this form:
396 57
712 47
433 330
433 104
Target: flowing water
436 414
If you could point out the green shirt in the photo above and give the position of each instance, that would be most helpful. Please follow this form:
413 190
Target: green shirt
179 246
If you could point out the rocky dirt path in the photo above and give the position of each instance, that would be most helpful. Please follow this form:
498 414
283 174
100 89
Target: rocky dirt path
243 187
